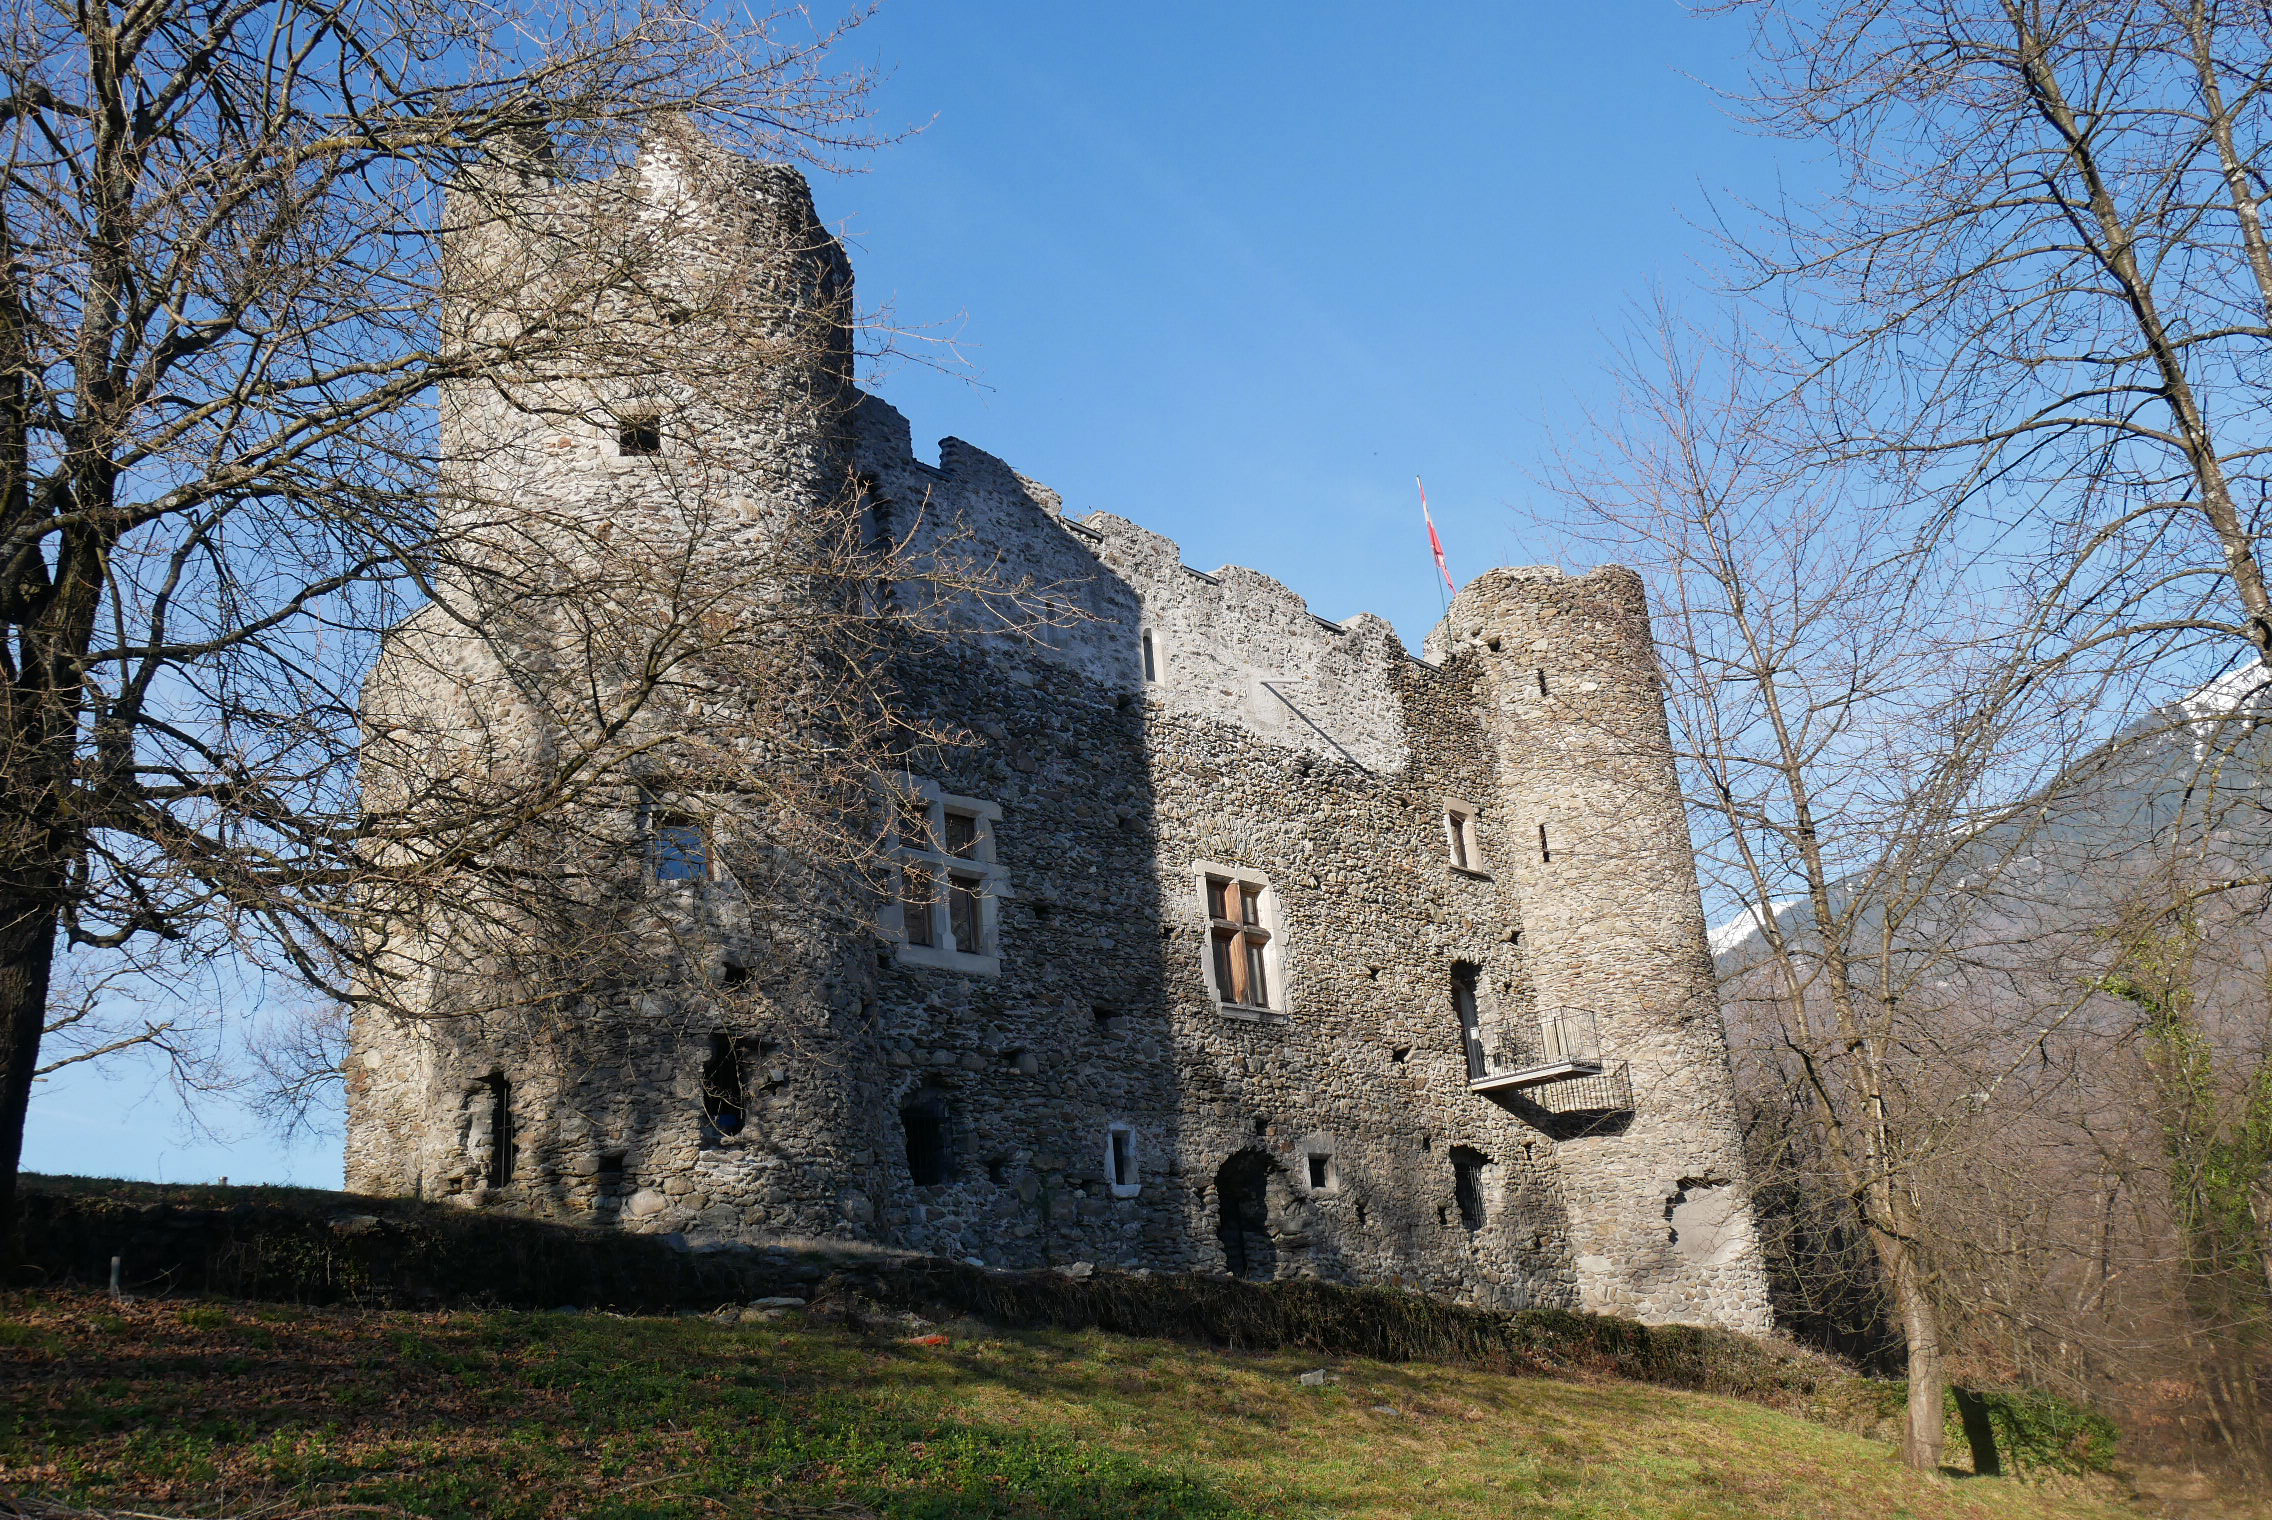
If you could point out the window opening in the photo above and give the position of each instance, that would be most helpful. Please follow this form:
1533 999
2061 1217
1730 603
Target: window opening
961 834
915 902
501 1138
949 882
998 1170
1106 1018
1545 854
733 976
1464 1005
1151 659
1542 683
722 1088
676 849
1467 1185
1262 1124
927 1119
1459 831
1321 1171
875 517
639 435
1120 1160
1241 942
964 913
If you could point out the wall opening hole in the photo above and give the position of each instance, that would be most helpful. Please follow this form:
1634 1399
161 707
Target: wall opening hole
1242 1216
1401 1054
998 1170
1120 1158
639 435
1470 1018
927 1117
724 1108
1468 1168
1262 1124
502 1140
1321 1171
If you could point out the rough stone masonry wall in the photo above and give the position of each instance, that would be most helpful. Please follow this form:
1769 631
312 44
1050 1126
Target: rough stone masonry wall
1317 754
1662 1224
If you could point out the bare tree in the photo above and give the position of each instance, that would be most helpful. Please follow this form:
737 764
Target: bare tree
2039 292
239 352
1846 716
2043 284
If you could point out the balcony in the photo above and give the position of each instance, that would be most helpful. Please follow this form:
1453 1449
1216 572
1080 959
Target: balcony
1567 1051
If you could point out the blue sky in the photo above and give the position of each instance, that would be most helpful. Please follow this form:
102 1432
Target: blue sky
1237 272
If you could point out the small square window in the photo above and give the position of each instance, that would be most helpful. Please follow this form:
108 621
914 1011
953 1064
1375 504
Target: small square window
639 435
677 851
1321 1172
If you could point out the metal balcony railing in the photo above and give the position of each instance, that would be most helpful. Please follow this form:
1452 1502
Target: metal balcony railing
1568 1046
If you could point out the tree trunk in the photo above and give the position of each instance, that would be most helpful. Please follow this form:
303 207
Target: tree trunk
1922 1437
27 956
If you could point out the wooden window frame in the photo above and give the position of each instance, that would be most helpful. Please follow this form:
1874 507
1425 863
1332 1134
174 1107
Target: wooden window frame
1253 942
967 884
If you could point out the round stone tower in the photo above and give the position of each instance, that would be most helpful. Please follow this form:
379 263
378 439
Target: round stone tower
1651 1163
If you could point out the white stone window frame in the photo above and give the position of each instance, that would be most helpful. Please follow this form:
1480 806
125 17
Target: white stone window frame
1273 950
1463 828
980 865
1130 1183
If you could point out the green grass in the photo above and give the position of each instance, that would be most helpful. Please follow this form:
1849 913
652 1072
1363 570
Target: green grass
219 1410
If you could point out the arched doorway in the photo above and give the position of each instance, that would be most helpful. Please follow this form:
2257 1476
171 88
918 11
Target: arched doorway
1242 1215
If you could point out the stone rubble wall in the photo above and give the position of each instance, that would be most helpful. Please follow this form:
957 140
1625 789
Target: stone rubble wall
1320 755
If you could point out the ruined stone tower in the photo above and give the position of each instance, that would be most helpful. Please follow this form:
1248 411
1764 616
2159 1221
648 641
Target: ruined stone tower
1239 941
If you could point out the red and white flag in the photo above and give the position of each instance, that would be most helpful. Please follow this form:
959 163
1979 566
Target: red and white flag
1434 542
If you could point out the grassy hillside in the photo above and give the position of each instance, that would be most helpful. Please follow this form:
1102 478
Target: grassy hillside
211 1409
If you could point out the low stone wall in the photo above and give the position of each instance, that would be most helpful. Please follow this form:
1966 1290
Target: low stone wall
305 1246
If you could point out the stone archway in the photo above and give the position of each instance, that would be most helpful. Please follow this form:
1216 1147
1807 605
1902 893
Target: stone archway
1242 1215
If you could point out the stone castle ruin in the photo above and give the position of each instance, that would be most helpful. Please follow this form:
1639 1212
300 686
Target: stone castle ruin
1240 941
